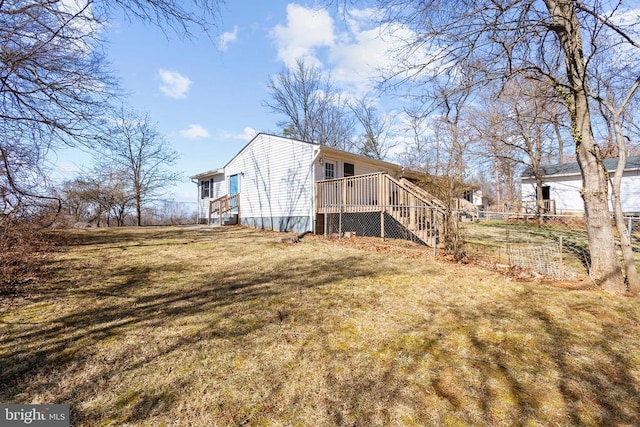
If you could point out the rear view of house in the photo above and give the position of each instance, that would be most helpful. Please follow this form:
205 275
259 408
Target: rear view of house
284 184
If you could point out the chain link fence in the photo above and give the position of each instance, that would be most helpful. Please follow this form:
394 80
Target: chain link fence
418 224
551 245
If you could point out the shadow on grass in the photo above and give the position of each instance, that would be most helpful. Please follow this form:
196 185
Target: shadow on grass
238 295
503 375
456 362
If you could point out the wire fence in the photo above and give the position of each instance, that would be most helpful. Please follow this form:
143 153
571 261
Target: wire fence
419 224
551 245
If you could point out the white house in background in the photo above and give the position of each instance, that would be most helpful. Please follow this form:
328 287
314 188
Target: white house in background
289 185
562 185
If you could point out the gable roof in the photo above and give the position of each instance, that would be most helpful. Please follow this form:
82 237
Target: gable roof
633 163
324 148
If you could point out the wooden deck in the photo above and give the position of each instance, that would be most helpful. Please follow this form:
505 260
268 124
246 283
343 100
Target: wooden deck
400 203
222 206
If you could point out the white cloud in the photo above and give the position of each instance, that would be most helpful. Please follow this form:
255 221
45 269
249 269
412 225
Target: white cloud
306 30
174 84
247 134
226 38
366 53
357 56
194 131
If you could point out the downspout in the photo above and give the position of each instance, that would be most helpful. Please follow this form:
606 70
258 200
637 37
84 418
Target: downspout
197 200
316 153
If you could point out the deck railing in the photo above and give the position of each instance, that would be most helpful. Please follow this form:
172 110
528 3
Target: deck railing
365 193
224 205
547 206
413 208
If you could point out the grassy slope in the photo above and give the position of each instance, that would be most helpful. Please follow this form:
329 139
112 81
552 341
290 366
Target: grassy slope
228 326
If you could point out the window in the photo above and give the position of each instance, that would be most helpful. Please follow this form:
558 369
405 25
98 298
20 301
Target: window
349 170
204 189
546 192
329 170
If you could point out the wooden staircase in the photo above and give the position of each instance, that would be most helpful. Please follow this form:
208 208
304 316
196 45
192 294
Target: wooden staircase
406 211
224 209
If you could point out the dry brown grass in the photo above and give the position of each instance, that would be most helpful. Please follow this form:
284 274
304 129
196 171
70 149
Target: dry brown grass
228 326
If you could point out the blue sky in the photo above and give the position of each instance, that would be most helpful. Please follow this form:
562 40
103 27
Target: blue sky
206 94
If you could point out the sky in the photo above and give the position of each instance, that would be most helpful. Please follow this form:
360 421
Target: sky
206 94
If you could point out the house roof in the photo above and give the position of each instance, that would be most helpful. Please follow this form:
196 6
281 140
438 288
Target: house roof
208 174
633 163
323 148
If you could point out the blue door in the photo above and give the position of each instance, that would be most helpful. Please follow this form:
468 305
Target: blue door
233 185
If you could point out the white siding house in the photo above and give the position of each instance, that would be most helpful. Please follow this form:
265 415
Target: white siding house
274 179
562 185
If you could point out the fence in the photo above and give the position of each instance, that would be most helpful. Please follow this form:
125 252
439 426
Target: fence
419 224
552 245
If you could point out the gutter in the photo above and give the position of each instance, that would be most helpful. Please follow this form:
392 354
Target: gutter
313 189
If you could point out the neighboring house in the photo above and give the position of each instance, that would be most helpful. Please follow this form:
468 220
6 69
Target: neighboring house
289 185
562 186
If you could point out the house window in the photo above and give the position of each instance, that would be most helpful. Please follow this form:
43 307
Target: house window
329 170
349 169
205 189
546 192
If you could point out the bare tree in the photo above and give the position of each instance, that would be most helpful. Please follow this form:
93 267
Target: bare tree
375 142
313 110
417 150
516 124
98 195
144 154
615 115
552 41
55 84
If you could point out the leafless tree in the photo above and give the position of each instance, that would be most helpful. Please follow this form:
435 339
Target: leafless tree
418 149
313 110
615 110
517 124
136 146
55 87
101 194
552 41
375 141
55 84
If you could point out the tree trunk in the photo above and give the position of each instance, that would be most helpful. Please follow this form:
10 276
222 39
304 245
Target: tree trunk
139 211
633 282
540 210
605 268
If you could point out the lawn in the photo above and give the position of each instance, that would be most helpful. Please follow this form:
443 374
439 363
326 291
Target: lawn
229 326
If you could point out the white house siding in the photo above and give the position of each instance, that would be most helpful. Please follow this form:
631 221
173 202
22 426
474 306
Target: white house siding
275 183
630 192
360 167
219 187
566 191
